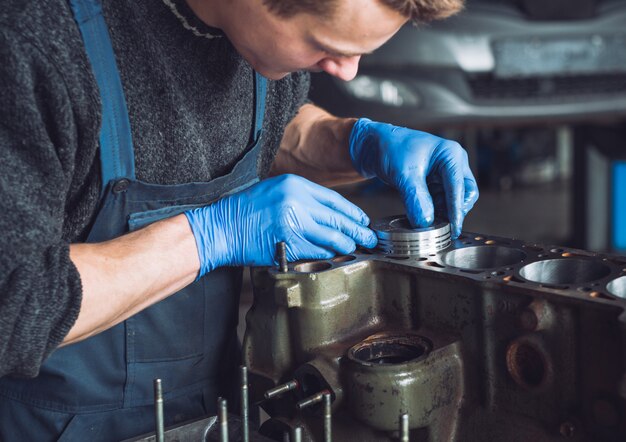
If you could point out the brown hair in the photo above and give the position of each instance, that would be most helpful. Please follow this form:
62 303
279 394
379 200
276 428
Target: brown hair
417 11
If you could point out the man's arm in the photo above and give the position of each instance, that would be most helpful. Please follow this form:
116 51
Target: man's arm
432 174
125 275
315 146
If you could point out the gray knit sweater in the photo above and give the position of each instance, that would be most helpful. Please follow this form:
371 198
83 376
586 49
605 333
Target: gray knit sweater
190 104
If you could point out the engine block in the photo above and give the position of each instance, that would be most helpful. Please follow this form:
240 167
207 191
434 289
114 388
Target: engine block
491 339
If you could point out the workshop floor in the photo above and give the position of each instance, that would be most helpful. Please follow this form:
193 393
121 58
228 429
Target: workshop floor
535 214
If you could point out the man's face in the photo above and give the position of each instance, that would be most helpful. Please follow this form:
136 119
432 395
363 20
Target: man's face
276 46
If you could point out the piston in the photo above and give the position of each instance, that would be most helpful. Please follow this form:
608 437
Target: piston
397 237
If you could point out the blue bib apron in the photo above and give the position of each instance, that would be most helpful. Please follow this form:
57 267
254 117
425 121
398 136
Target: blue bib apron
101 388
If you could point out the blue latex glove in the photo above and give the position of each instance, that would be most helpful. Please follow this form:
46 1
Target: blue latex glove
423 167
244 228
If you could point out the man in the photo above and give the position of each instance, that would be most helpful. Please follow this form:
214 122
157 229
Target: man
135 141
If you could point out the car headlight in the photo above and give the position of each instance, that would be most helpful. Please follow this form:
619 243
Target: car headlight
386 91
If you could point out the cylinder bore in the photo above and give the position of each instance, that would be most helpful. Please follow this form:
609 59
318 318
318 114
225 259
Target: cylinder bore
390 350
564 271
312 267
483 257
343 258
617 287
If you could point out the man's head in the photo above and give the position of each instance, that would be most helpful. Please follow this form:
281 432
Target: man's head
281 36
417 11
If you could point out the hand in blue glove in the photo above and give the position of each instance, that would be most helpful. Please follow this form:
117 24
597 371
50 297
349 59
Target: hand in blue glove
423 167
244 228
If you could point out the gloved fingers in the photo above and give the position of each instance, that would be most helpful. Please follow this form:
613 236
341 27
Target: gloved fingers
471 194
329 239
438 195
454 186
337 221
418 202
338 203
302 248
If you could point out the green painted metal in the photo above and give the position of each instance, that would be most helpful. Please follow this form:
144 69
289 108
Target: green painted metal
475 343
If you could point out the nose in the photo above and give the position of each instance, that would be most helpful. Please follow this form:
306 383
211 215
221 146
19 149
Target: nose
344 68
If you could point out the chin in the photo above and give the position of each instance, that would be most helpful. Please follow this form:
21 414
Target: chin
271 75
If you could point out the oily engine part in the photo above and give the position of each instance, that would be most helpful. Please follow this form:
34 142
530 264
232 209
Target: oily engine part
490 339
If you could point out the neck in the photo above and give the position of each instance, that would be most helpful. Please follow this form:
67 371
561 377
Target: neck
208 11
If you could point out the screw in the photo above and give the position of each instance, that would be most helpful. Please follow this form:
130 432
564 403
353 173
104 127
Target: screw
281 256
297 435
404 427
281 389
222 414
312 400
245 432
328 419
158 410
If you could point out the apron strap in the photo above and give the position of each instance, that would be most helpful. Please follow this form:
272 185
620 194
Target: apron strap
260 90
117 158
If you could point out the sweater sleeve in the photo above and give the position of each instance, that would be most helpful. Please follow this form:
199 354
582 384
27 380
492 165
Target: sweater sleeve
40 289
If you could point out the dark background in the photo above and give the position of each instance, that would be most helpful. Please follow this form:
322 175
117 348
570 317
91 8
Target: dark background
534 90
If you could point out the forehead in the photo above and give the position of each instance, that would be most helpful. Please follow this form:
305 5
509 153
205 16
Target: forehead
356 26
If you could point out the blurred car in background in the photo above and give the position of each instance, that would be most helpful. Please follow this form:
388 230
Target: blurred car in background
535 90
496 62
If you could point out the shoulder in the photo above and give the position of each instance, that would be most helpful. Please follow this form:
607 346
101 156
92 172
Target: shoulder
44 63
43 34
38 22
49 102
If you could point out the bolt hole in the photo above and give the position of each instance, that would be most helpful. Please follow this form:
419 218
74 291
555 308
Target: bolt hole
312 267
434 264
527 364
390 350
344 258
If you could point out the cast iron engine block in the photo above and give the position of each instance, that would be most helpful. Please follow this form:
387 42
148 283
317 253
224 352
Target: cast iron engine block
491 339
